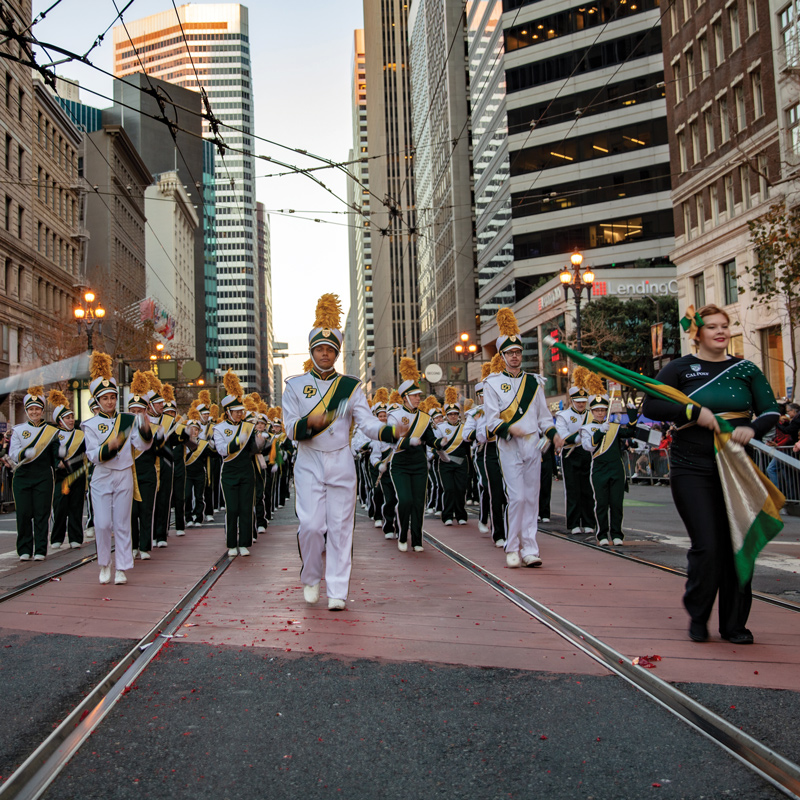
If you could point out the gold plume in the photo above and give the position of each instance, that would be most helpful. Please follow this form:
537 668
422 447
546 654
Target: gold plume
329 312
139 383
308 365
262 407
278 412
507 322
468 405
214 410
450 396
395 399
168 393
57 398
256 396
153 382
497 363
194 404
100 366
231 384
579 375
250 404
381 395
194 414
594 384
408 369
271 414
486 370
204 396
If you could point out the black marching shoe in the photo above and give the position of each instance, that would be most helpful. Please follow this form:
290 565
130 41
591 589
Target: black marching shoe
698 632
738 637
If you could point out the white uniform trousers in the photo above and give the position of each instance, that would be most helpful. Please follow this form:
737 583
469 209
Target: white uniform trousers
325 491
112 500
521 462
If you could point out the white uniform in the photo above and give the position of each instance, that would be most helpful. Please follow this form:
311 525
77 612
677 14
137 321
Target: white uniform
520 457
325 474
112 486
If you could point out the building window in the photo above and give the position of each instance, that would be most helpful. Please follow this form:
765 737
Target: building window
793 127
699 286
733 22
682 160
724 120
730 200
790 34
730 287
705 65
21 102
772 360
719 44
763 176
744 179
690 76
700 212
39 237
708 124
758 96
752 17
677 77
8 153
712 193
20 220
8 90
738 99
694 131
687 221
8 213
673 17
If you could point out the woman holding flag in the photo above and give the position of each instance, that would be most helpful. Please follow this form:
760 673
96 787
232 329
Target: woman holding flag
736 390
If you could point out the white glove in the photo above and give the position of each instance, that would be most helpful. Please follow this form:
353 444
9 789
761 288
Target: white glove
274 468
415 441
62 452
30 453
142 422
604 427
382 467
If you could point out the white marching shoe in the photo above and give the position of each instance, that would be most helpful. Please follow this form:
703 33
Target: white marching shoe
388 536
74 545
144 555
483 528
545 519
233 551
243 551
377 524
617 541
89 533
25 557
577 530
418 548
449 523
209 518
336 605
513 560
55 545
105 574
500 543
261 529
311 594
39 557
402 546
135 553
180 533
532 561
462 522
119 577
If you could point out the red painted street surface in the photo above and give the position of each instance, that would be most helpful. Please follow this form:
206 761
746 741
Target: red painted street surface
417 607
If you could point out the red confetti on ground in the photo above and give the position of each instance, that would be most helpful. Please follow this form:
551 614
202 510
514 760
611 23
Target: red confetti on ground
733 706
648 662
543 737
106 598
84 715
755 672
656 785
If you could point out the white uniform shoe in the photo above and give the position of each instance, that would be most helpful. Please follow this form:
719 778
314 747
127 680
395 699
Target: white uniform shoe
233 551
336 605
483 528
402 546
462 522
38 557
261 529
311 594
74 545
513 560
24 557
243 551
120 577
135 553
617 541
532 561
500 543
162 543
180 533
577 530
144 555
89 533
55 545
449 523
105 574
418 548
209 518
377 524
545 519
388 536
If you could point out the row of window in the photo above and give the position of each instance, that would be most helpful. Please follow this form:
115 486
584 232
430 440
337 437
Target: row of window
728 280
687 7
55 248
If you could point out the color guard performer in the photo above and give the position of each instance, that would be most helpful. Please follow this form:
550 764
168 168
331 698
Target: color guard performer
70 486
576 462
110 440
34 455
320 407
517 413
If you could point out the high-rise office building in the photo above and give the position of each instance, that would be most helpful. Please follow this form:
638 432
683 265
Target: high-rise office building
207 46
443 179
266 332
395 284
361 351
569 147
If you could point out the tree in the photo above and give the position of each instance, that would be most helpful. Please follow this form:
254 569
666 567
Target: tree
774 278
619 330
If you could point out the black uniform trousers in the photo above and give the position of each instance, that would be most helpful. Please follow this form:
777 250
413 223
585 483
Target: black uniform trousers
239 488
546 482
196 483
388 509
576 467
68 510
410 481
143 511
454 479
497 491
697 492
376 493
163 500
608 485
261 508
483 486
179 492
33 500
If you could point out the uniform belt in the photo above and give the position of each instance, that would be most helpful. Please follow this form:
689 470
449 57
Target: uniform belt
735 415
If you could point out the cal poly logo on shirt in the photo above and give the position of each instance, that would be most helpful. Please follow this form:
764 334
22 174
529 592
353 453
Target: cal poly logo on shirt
228 432
695 367
309 391
102 427
406 420
573 419
506 387
26 434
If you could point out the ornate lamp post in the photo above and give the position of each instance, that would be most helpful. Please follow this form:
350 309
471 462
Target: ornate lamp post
88 315
466 348
577 280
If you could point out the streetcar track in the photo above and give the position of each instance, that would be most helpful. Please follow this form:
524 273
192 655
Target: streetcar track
774 768
47 577
37 772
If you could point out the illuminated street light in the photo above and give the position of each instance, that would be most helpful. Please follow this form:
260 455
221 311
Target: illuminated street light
88 316
577 280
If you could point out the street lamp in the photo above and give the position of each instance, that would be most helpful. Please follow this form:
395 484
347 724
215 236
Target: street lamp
577 280
465 347
88 315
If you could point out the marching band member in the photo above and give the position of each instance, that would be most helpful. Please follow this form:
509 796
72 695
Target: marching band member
70 486
237 442
166 469
408 468
576 462
196 466
382 505
453 467
34 454
517 413
208 417
145 459
176 441
94 408
320 407
110 440
491 465
603 440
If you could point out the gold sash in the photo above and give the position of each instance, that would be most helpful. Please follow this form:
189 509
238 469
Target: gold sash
201 446
245 429
40 443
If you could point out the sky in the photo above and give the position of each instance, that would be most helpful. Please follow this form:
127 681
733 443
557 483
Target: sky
301 57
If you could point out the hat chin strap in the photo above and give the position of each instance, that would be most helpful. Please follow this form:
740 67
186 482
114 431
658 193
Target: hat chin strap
317 366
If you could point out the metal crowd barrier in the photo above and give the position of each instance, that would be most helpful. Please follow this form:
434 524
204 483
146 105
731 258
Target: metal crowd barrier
6 495
649 467
785 476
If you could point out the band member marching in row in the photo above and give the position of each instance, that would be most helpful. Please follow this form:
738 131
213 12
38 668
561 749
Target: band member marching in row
454 455
238 443
166 468
34 455
517 414
603 439
196 470
70 486
208 417
576 462
143 508
94 408
176 442
320 408
110 441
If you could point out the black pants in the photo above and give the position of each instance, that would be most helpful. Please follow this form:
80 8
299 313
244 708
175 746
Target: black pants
163 501
196 482
388 508
454 485
497 492
179 495
576 467
546 481
239 488
33 500
142 514
261 508
68 511
375 494
409 486
698 497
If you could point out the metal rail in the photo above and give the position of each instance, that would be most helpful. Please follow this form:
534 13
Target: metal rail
781 773
39 770
46 578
